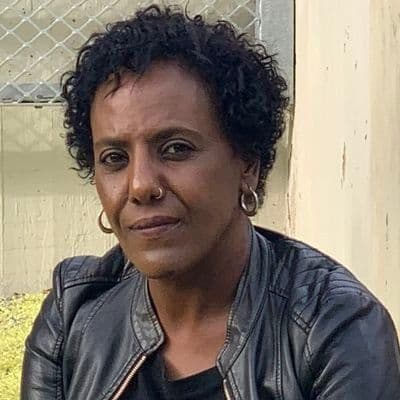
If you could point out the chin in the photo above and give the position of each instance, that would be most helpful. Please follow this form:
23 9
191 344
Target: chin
157 268
162 272
159 275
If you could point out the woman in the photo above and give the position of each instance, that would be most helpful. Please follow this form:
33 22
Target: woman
175 121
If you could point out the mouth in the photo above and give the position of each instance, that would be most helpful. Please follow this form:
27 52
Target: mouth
155 226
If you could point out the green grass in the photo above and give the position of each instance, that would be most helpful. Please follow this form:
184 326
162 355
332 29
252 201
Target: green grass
16 316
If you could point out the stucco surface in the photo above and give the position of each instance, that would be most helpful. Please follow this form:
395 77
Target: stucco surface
47 212
384 190
344 185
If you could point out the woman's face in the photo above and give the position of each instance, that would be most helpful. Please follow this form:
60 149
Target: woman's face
160 130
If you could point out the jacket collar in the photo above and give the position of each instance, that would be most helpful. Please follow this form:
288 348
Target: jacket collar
245 309
145 324
249 299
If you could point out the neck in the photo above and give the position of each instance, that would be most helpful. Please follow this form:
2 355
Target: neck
207 291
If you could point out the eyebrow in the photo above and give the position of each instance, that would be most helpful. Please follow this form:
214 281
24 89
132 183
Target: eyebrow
169 132
163 134
111 142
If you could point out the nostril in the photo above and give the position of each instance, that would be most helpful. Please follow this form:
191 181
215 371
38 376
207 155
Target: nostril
146 192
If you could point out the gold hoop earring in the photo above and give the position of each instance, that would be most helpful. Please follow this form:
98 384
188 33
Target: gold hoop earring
250 211
103 228
161 193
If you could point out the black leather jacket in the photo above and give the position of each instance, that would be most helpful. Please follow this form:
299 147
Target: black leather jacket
301 327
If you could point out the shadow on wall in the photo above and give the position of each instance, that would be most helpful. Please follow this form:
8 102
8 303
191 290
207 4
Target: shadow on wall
48 213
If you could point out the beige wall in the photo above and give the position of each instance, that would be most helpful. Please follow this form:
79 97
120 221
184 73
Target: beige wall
47 213
336 184
384 168
344 185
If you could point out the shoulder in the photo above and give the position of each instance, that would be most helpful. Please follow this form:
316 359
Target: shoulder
80 285
110 268
333 321
84 281
311 281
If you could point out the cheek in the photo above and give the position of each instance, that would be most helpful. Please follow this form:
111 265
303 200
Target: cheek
111 195
211 189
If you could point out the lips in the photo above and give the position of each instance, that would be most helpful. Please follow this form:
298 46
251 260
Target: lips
157 222
156 227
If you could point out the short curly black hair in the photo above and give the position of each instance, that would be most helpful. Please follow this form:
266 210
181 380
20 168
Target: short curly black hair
246 87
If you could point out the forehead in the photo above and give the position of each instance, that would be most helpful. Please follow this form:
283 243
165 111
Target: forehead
165 94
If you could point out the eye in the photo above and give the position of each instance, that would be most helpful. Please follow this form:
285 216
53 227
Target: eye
113 159
177 150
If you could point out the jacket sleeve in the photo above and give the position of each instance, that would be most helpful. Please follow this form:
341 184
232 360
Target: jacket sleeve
41 371
353 350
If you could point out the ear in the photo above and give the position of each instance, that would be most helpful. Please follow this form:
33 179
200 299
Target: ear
250 175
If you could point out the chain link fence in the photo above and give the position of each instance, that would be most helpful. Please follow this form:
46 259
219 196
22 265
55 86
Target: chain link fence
39 38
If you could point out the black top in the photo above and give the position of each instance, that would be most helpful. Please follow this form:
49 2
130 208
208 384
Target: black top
151 383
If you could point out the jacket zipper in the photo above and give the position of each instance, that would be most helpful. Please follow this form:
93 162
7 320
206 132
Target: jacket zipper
226 390
128 378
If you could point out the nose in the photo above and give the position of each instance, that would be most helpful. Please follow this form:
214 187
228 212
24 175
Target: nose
144 182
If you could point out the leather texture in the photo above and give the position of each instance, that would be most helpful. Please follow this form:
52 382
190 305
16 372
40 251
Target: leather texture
301 327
